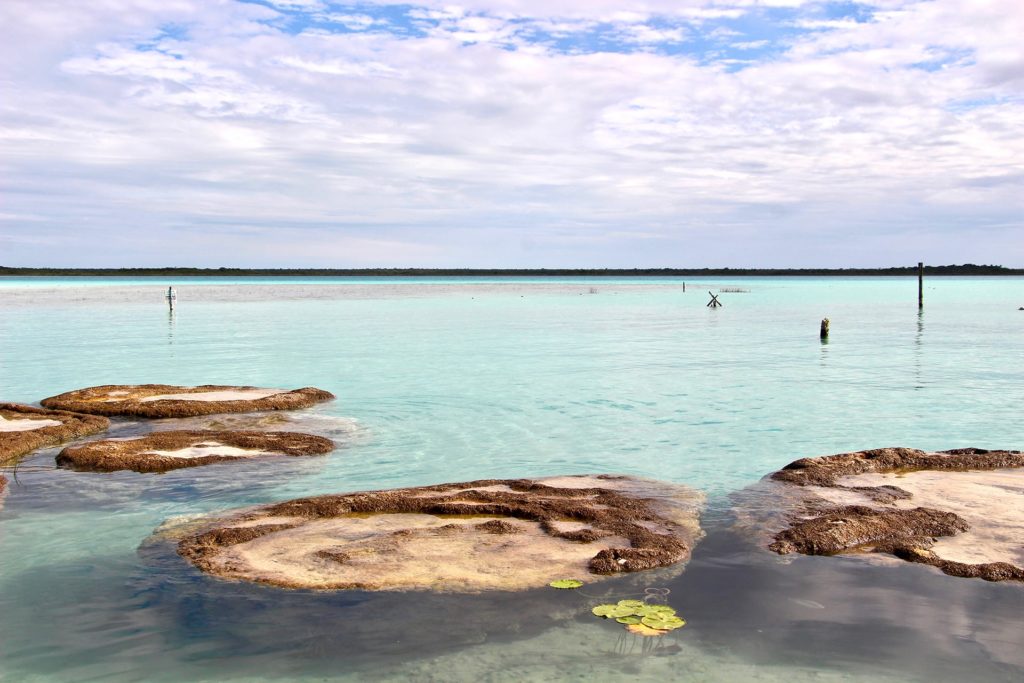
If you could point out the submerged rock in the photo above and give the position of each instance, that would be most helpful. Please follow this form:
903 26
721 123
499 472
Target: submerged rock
23 428
464 537
164 400
3 490
163 451
957 510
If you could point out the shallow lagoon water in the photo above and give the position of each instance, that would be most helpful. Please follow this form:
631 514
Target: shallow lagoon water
448 380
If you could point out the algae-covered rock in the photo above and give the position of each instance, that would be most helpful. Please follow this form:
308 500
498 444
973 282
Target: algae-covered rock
171 450
24 429
462 537
164 400
958 510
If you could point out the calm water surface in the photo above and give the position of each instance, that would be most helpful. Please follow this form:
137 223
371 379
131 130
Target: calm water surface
446 380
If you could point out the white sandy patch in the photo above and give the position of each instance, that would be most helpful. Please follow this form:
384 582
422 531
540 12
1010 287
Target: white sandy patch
202 450
213 396
114 396
25 425
991 501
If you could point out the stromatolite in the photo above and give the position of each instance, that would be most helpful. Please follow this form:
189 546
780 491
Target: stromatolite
959 510
463 537
171 450
24 428
164 400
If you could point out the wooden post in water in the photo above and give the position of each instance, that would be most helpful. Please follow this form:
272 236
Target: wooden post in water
920 284
824 328
171 297
714 303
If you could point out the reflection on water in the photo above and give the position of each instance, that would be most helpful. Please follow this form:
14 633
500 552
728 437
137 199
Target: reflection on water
151 617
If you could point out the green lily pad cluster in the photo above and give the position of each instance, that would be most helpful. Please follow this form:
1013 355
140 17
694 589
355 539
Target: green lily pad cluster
566 583
636 612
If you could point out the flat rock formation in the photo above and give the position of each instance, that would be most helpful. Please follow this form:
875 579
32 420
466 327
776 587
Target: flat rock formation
23 428
164 400
465 537
163 451
3 490
961 511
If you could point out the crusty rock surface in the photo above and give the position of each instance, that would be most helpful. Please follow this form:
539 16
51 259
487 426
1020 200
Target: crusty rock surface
461 537
826 470
164 451
165 400
16 443
870 501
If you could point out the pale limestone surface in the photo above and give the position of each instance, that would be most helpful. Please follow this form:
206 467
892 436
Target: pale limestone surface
202 450
237 395
26 425
428 555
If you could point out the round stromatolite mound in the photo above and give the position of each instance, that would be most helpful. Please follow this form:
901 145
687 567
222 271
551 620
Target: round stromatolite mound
165 400
957 510
24 428
164 451
463 537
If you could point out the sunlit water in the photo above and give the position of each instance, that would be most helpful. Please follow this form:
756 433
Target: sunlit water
448 380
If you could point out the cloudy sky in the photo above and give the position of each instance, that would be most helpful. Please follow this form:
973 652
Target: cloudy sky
489 133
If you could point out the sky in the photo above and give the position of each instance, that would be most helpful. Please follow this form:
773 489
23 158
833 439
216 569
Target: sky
511 133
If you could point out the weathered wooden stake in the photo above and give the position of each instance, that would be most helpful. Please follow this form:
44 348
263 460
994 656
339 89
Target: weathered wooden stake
171 297
684 288
824 328
920 284
714 303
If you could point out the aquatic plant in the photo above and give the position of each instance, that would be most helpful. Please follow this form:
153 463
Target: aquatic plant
640 617
566 583
663 623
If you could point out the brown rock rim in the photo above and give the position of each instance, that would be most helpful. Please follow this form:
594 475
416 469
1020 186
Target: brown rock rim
14 444
148 453
886 523
486 534
131 400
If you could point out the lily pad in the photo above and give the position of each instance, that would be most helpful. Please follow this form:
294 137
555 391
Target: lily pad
642 630
654 611
613 611
566 583
663 623
631 620
631 603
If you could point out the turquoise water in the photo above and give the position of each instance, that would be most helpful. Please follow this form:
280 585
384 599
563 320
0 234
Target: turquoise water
447 380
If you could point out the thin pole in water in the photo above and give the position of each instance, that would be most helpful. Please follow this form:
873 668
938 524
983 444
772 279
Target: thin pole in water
920 284
171 297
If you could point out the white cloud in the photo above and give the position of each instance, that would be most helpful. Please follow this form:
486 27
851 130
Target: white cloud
473 143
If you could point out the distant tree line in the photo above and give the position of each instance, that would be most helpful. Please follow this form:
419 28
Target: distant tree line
965 269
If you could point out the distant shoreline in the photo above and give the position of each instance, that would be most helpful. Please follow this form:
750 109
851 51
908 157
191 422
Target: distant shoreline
966 269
